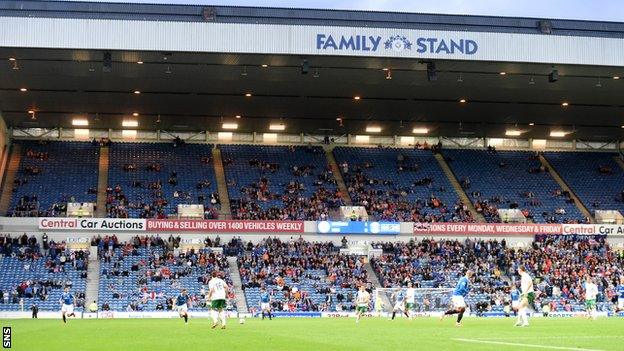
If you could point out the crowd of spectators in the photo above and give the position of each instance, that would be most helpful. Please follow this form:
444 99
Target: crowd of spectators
558 264
286 189
38 259
385 200
118 204
153 278
301 275
561 262
152 181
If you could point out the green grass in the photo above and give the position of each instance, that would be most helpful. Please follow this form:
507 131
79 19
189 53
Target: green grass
316 334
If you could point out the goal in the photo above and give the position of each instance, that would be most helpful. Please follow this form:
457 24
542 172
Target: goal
426 300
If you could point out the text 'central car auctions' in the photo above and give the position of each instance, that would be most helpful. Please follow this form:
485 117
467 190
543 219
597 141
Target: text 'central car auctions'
232 226
121 224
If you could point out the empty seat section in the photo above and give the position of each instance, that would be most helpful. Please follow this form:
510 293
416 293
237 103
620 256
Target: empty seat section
150 180
279 182
52 173
595 177
511 179
399 184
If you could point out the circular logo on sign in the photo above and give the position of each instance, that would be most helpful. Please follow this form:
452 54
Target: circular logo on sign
398 43
375 227
323 227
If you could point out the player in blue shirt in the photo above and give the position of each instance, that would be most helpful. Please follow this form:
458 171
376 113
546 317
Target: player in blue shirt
399 304
459 303
620 293
181 305
265 303
67 304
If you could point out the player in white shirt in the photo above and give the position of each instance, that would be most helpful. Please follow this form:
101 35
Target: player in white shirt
591 291
217 292
527 297
410 300
362 301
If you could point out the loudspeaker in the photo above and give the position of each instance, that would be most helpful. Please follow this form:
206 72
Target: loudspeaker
107 62
553 76
209 14
305 67
432 74
545 26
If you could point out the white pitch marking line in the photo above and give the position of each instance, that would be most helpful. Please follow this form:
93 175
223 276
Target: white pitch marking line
525 345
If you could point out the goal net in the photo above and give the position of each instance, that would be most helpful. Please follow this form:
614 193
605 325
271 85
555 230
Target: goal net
426 300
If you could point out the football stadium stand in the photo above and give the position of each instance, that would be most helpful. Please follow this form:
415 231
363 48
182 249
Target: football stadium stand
146 274
595 177
301 276
400 185
51 174
509 179
150 180
35 274
279 182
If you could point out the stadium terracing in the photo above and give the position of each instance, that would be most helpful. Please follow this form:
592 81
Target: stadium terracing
199 121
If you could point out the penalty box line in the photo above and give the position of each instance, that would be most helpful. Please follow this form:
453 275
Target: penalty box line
523 345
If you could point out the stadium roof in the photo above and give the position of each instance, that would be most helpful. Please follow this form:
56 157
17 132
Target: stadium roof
319 17
199 90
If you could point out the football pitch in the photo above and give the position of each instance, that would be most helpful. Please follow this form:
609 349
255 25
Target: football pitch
317 334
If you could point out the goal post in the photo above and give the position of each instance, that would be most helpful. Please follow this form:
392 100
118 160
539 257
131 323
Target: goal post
426 300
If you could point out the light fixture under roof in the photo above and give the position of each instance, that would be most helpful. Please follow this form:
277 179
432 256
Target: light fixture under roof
557 134
385 69
80 122
237 116
31 111
23 90
616 77
140 62
229 125
513 132
135 114
357 97
130 123
279 126
462 101
564 104
137 92
264 65
420 130
11 58
532 124
248 94
502 73
373 129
